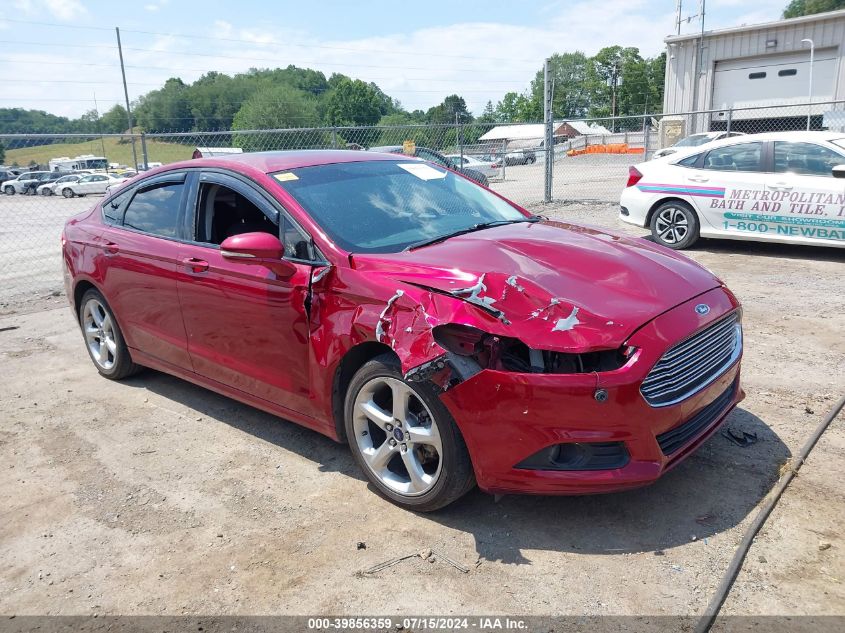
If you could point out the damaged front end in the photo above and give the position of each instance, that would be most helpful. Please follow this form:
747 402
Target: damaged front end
469 350
449 334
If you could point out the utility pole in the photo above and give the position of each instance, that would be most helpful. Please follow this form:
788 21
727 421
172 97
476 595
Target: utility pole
678 11
548 118
126 95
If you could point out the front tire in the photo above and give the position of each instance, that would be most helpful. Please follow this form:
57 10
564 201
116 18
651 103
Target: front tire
67 192
103 338
675 225
404 439
10 190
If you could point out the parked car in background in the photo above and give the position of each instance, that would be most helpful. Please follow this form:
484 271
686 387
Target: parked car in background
26 181
521 157
490 168
7 173
694 140
49 188
90 184
437 158
783 187
447 335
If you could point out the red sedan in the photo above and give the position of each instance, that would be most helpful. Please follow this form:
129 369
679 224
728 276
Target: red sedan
448 335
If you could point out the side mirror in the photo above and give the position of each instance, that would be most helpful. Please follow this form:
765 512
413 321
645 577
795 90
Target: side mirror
839 171
258 248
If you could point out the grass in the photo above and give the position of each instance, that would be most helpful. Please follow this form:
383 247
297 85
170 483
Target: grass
115 151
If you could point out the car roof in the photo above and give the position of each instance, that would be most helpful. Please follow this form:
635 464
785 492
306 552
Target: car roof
269 162
794 137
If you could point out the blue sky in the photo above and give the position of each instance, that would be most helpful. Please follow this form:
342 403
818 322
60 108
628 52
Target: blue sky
418 52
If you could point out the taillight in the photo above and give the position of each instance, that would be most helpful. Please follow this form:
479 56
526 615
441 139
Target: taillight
634 176
64 239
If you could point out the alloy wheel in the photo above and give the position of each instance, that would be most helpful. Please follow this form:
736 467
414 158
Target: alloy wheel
98 327
672 225
397 436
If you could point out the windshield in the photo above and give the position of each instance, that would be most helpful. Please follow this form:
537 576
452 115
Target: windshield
694 141
385 206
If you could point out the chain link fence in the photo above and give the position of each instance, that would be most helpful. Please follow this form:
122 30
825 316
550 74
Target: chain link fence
589 164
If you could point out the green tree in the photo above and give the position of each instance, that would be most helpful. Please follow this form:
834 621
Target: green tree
488 115
637 84
2 153
516 108
570 99
215 98
797 8
352 102
400 127
452 109
114 121
276 107
166 109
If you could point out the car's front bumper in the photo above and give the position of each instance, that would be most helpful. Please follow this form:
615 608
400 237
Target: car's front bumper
507 417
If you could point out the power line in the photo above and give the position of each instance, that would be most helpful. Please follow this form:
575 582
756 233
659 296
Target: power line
253 42
242 58
204 71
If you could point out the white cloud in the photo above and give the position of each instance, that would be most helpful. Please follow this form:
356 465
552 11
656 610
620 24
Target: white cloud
59 9
478 60
66 9
155 6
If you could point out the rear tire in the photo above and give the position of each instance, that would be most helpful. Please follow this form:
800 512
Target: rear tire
103 338
675 225
404 439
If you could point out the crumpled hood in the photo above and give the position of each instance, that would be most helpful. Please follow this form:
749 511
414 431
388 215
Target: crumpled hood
553 285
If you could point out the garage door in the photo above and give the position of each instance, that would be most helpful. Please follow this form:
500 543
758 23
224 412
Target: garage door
774 79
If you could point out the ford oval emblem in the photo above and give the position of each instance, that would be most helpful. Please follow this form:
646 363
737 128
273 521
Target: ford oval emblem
702 309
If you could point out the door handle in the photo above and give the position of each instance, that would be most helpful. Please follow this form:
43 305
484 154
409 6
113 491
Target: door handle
195 265
111 249
697 179
780 186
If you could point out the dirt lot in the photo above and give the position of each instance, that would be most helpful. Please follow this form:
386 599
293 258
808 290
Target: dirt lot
153 496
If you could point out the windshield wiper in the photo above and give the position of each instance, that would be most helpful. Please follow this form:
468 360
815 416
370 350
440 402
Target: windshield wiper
470 229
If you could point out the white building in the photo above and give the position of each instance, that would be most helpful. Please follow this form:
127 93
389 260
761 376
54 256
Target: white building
525 135
755 66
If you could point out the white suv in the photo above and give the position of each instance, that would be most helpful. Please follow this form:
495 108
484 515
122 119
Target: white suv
24 181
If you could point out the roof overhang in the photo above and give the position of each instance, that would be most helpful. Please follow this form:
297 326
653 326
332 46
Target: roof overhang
778 24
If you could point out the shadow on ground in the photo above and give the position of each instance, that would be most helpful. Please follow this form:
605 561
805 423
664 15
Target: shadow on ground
708 493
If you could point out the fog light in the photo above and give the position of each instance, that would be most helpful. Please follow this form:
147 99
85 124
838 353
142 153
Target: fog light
578 456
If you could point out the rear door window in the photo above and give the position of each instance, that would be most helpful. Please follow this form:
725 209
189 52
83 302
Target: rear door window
155 209
114 208
739 157
805 158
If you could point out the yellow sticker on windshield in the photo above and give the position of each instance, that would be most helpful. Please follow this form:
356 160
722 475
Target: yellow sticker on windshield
286 176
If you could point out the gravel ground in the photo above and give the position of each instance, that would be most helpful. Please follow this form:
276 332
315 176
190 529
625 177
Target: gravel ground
153 496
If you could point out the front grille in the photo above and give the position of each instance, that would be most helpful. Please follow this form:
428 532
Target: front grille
675 439
694 363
